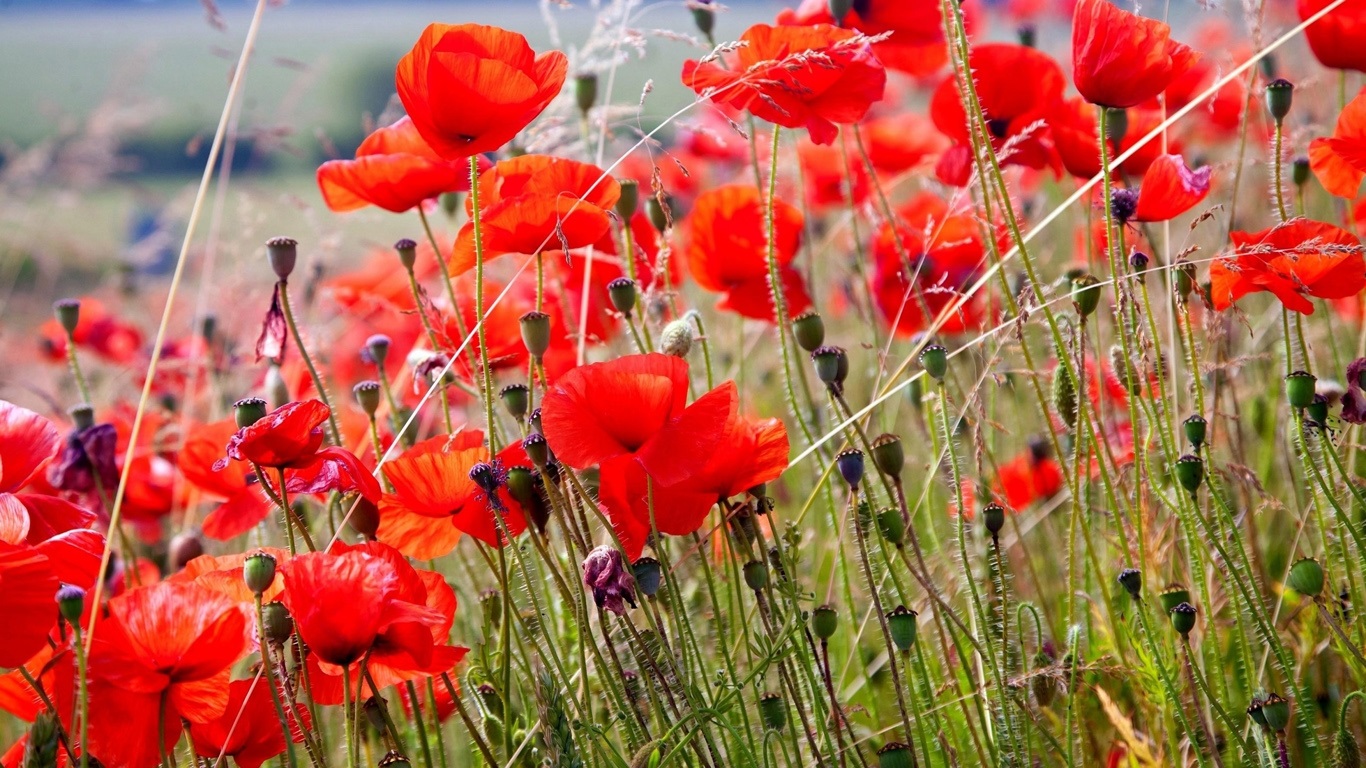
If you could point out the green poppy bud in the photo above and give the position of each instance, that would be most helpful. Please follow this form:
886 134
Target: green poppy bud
1064 395
622 293
902 626
1299 388
824 621
1306 577
1185 278
368 395
258 571
1042 684
1183 619
71 603
1299 170
585 92
1280 94
1276 710
1172 596
1086 294
809 330
756 574
536 333
832 366
279 625
773 711
660 212
1346 753
935 360
704 16
248 411
629 201
283 253
1195 427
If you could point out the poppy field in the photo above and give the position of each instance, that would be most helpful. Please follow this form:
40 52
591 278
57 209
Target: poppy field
938 383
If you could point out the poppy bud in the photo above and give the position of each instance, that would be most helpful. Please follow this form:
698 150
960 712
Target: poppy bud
622 292
248 411
1183 619
892 526
516 399
1346 753
850 464
901 625
935 360
756 575
704 16
183 548
1317 412
1306 577
377 347
1299 170
1172 596
1195 427
1132 581
1280 93
407 252
832 367
1299 388
1190 472
1276 710
536 333
894 755
888 454
1185 278
450 203
1138 261
809 330
258 571
71 603
773 711
282 252
276 387
368 395
1028 35
1085 294
677 338
393 758
1064 395
660 211
629 201
68 312
1116 125
536 448
585 92
82 416
365 518
824 621
994 517
277 622
649 576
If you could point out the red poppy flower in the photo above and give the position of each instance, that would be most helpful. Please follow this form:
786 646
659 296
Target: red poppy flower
750 452
1018 88
378 285
635 405
1120 59
98 331
435 499
1336 38
1168 190
902 142
254 726
535 202
223 573
26 441
1339 161
1294 260
796 76
826 170
628 498
54 669
162 656
394 169
1073 127
470 88
1031 476
916 44
243 504
27 589
727 251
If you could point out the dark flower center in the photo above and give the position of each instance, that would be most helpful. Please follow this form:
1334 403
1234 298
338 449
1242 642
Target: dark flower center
1123 204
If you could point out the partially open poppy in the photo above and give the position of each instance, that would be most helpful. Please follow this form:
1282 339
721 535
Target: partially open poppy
470 88
1295 260
249 731
1339 161
1168 189
727 251
1120 59
394 169
1336 38
795 76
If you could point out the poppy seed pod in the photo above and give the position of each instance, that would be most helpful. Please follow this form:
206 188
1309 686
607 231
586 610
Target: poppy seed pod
1183 619
622 293
850 465
773 711
516 400
1317 412
894 755
1190 472
677 337
832 366
183 548
901 625
521 484
756 574
704 16
649 575
377 348
809 330
892 526
1299 170
68 313
1085 294
71 603
935 360
283 253
824 621
82 416
407 252
660 211
1116 125
1299 388
368 396
629 201
277 622
1280 93
1195 428
258 571
534 420
1276 710
536 333
888 454
248 411
1132 581
1138 261
1306 577
585 92
994 517
1255 711
1172 596
1028 35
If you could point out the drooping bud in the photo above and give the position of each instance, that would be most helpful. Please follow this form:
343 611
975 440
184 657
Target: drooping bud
1195 428
1190 472
68 313
832 367
368 395
277 622
888 454
585 92
1172 596
824 621
756 574
1183 619
1138 261
622 293
677 337
629 201
283 253
1132 581
773 711
1299 388
935 360
1306 577
809 330
1280 93
649 575
516 400
536 333
902 626
1085 294
850 465
248 411
1346 752
71 603
184 547
258 571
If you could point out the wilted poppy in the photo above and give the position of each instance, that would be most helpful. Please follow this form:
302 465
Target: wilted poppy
727 251
394 169
1336 38
1294 260
1120 59
470 88
26 441
1168 189
796 76
249 731
1339 161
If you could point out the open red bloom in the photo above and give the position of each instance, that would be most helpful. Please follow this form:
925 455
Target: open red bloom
470 88
635 406
1073 127
916 45
750 452
1120 59
1336 38
535 203
901 142
1294 260
435 499
394 169
243 504
26 441
629 498
162 656
254 726
795 76
1018 88
27 589
1168 190
727 250
1339 161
